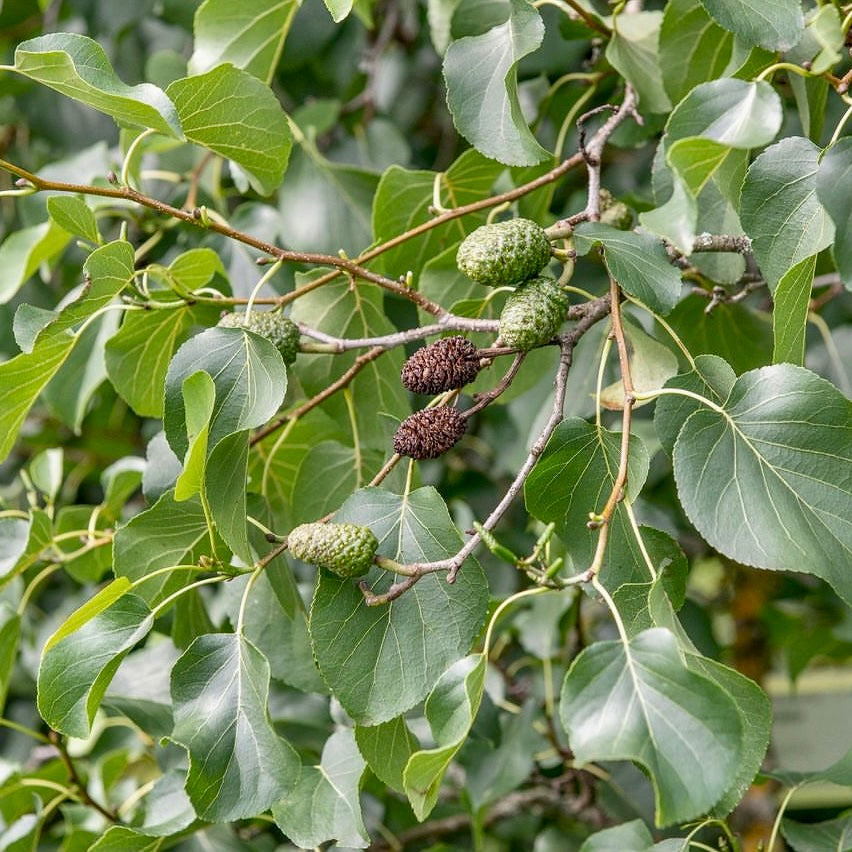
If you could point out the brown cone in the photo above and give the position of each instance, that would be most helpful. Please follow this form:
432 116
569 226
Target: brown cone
444 365
429 433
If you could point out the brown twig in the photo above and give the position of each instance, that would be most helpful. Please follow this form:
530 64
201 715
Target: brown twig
82 790
360 362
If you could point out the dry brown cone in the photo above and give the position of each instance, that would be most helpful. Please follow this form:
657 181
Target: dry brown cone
429 433
444 365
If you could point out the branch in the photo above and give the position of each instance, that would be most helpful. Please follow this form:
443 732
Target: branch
360 362
198 218
77 781
592 312
449 322
591 153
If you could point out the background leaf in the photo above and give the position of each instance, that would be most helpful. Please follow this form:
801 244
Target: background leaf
773 24
773 464
633 51
482 88
693 49
249 35
238 765
833 176
24 250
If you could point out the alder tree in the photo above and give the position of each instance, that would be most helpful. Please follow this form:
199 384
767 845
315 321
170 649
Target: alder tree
425 425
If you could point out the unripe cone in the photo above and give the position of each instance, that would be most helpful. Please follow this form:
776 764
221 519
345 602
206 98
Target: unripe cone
344 549
504 253
429 433
446 364
282 332
533 313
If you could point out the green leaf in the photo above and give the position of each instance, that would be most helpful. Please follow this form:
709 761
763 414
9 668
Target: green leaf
819 836
238 765
249 376
574 477
24 250
23 377
835 172
10 632
773 462
387 748
633 835
450 709
638 262
380 661
693 49
790 312
482 87
735 113
225 487
639 701
80 659
780 210
193 269
70 391
236 116
773 24
325 206
712 378
170 533
249 35
15 535
625 564
633 51
839 772
22 555
138 355
324 805
77 67
755 712
199 397
119 838
73 215
339 9
404 200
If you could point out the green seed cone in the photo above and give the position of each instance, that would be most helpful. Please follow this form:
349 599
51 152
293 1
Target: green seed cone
282 332
533 313
344 549
504 253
